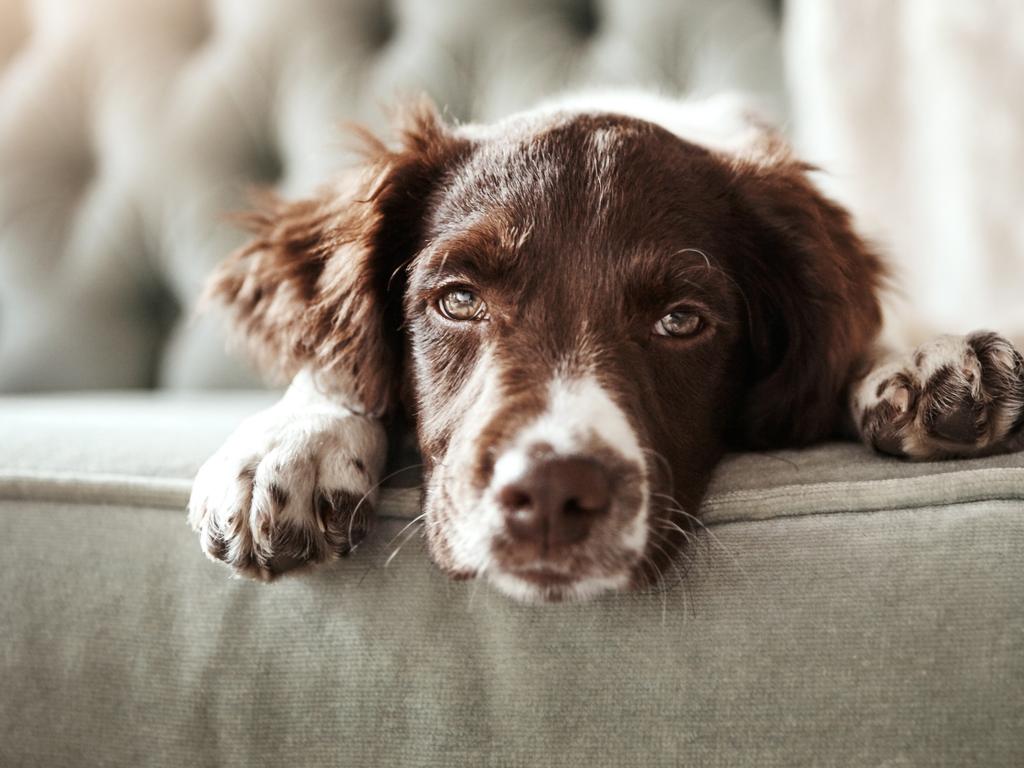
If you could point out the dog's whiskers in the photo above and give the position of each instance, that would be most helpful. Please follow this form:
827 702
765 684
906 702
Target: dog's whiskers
675 508
708 259
670 556
373 488
404 541
712 537
476 586
658 585
672 526
667 467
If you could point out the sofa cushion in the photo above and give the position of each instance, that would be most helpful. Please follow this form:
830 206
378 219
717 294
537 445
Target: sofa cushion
842 609
125 446
128 130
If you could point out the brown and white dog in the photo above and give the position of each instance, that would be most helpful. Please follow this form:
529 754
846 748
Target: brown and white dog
581 308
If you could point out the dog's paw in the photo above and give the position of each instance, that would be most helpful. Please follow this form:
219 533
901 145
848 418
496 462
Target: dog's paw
955 396
289 488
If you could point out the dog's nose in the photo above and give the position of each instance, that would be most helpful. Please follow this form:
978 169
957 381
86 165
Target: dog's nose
556 501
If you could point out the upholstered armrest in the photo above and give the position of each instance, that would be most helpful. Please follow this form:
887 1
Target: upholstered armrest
840 609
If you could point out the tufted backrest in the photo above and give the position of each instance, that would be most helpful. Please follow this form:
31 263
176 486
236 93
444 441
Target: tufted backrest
129 128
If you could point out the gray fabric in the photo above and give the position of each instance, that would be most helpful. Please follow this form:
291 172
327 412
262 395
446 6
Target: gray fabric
128 130
146 447
887 632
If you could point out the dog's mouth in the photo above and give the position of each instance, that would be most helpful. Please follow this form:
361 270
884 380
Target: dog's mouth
542 584
544 576
559 580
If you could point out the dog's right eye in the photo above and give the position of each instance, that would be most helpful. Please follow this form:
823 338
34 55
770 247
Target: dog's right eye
462 304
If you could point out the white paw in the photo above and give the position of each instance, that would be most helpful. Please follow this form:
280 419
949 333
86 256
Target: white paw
291 486
952 396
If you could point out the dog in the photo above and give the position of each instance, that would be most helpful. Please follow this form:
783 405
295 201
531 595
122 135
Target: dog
580 309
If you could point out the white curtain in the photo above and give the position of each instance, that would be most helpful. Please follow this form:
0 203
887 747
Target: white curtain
916 109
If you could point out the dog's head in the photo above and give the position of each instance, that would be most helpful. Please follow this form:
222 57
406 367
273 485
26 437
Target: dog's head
582 311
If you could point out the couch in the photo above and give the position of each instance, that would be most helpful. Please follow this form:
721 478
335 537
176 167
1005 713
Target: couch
840 609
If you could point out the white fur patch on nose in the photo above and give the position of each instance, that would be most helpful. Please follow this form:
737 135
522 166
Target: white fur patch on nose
580 410
509 467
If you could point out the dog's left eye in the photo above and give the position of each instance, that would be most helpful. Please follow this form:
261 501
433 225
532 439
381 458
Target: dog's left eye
462 304
679 324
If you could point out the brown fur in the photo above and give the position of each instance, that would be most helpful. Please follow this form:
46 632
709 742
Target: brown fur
812 286
309 288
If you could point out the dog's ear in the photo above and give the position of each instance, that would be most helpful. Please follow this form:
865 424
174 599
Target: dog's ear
811 285
320 283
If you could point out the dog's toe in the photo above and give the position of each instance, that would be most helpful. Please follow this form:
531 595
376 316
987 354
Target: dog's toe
291 497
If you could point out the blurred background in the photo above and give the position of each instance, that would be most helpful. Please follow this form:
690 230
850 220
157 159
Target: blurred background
128 128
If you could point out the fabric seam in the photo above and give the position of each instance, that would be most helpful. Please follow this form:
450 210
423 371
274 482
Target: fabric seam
746 505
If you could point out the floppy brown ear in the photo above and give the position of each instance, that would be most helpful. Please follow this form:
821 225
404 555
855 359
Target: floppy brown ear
320 285
812 289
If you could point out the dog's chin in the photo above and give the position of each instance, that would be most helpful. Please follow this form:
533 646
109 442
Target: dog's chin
541 585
